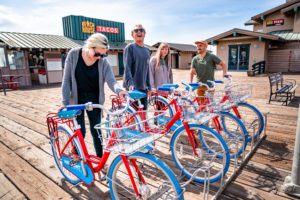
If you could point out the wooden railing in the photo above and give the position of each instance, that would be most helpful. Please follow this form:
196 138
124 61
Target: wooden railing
259 68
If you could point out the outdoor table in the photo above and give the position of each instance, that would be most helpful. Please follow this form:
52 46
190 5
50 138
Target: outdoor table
11 80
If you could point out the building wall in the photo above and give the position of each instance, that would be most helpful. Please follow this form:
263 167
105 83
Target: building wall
185 60
258 28
288 22
297 22
257 50
114 61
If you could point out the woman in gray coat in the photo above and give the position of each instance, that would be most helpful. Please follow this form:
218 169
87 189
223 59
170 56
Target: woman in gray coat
86 71
160 70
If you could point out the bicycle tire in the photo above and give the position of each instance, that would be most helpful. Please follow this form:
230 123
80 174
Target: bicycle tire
217 154
63 135
248 121
235 133
156 173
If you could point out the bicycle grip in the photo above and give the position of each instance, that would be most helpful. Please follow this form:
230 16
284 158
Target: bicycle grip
219 81
75 107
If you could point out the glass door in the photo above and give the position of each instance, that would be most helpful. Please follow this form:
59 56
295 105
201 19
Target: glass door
238 57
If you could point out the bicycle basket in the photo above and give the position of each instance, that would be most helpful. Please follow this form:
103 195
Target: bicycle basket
238 93
199 114
119 136
53 120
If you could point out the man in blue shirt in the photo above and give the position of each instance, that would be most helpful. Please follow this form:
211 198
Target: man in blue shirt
136 63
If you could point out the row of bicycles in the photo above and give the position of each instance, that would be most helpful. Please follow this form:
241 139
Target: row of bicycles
202 136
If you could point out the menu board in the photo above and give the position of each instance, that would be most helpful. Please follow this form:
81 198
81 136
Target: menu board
54 64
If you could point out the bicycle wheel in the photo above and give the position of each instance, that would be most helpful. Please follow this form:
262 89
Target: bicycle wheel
234 133
159 181
214 153
128 117
72 151
160 103
251 117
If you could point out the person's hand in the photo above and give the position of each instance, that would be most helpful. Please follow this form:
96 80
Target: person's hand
123 93
131 88
153 89
60 108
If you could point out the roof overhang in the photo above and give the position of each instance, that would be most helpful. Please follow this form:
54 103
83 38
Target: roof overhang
262 16
240 34
250 22
291 9
179 47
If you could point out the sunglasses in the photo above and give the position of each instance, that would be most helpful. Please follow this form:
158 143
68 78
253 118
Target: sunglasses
96 54
139 29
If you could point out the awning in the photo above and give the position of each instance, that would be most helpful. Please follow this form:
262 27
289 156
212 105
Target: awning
31 40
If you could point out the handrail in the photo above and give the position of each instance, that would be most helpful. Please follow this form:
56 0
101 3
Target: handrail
259 67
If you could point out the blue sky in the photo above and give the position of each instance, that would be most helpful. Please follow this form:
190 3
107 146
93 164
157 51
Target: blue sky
176 21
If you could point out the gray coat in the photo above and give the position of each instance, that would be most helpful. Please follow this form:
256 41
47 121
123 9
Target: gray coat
161 76
69 85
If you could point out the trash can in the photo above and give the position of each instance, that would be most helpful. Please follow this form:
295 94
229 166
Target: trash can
42 76
42 79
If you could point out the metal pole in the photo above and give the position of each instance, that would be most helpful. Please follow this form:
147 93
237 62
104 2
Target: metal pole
291 183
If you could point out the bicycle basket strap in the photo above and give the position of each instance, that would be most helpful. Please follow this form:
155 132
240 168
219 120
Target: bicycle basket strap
169 85
65 114
135 94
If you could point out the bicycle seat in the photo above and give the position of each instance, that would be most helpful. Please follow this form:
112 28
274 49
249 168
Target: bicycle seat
193 85
65 114
136 94
167 89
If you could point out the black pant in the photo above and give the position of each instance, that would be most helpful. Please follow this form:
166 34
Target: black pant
94 117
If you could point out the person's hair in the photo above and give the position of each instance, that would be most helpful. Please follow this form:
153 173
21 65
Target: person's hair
167 59
97 40
137 26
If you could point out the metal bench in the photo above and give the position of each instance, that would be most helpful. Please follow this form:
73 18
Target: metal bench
282 90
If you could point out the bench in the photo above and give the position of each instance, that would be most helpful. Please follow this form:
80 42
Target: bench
283 90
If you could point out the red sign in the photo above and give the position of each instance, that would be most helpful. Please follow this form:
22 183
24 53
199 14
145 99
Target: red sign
107 29
275 22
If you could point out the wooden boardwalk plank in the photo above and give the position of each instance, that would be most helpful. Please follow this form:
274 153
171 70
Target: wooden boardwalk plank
37 186
8 191
44 162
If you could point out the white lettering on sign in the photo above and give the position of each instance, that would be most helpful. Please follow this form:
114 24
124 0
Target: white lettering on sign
275 22
107 29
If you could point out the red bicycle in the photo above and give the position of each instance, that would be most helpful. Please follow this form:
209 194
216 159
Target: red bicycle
132 174
193 146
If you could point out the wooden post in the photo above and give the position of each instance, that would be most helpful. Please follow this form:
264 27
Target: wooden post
2 82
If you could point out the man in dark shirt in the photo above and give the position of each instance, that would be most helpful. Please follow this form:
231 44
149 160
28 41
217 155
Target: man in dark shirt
136 62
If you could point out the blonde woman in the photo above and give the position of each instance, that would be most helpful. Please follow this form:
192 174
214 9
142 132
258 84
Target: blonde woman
160 70
86 70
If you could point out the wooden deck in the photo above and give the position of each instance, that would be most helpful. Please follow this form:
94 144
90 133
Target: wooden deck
28 171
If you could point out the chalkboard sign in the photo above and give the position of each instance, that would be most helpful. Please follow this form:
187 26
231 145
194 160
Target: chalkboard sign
54 64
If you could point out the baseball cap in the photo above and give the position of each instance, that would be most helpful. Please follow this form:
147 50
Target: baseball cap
201 42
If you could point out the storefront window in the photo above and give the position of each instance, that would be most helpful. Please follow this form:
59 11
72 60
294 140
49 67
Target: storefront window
16 60
2 57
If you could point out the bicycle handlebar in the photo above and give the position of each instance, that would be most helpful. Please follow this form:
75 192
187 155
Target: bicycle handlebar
90 106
